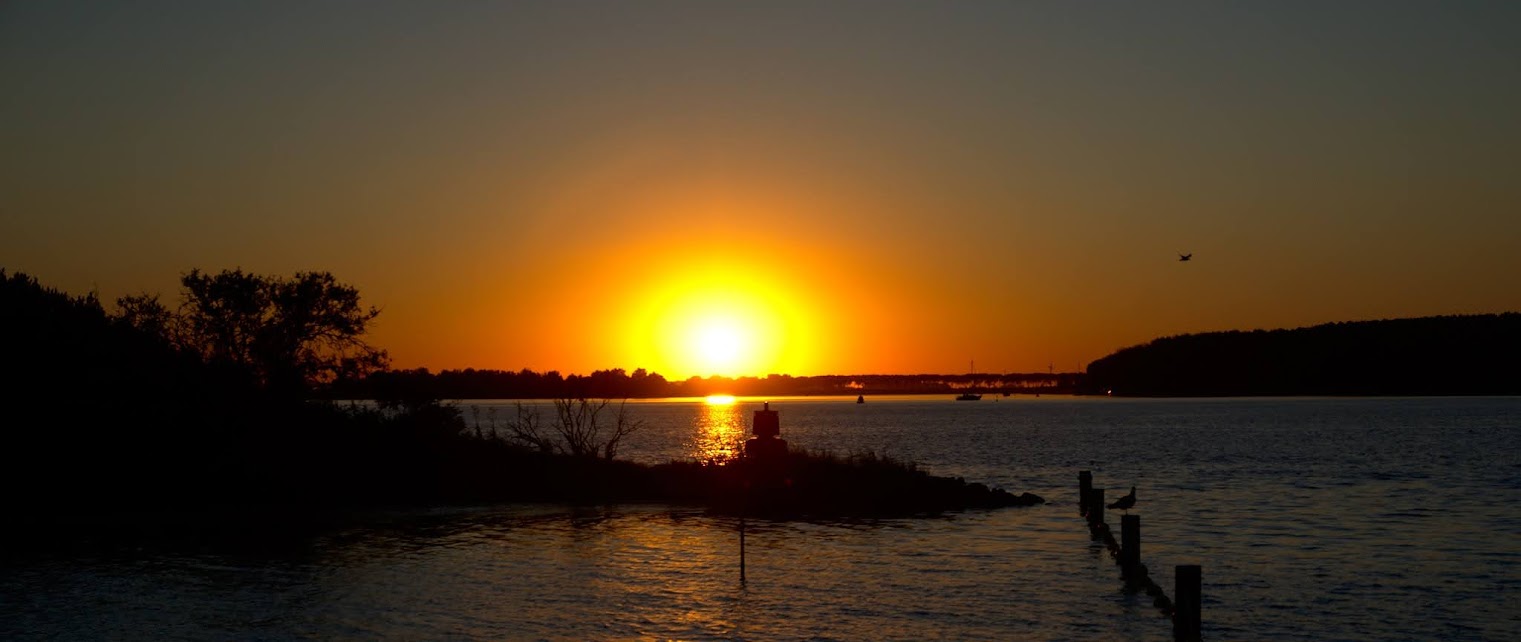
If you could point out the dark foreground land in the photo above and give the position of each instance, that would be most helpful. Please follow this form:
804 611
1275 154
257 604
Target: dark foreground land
803 485
806 486
127 416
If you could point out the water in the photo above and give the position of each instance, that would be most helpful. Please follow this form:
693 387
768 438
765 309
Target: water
1313 519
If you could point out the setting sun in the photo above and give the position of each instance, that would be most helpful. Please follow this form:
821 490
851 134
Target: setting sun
719 331
721 344
711 317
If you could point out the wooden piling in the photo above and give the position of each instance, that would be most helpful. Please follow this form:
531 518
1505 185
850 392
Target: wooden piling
1130 543
1127 554
1186 616
1130 551
1084 487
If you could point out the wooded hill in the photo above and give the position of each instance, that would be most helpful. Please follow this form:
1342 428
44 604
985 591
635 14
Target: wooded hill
1447 355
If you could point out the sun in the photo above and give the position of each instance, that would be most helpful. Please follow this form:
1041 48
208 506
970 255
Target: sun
721 344
720 333
717 326
700 315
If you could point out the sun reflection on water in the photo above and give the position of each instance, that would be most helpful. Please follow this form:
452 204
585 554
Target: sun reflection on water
718 430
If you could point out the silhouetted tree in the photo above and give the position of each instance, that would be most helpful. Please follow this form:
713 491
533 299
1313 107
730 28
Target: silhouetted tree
578 425
526 429
289 333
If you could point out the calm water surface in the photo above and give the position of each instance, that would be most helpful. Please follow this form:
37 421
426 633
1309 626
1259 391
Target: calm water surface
1314 519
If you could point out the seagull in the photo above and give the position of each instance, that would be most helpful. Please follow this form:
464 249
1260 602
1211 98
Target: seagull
1185 257
1124 503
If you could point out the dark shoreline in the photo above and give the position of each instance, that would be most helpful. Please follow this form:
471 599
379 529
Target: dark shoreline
805 486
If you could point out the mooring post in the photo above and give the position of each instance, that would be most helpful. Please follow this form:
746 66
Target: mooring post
1084 486
1186 602
1130 544
1096 506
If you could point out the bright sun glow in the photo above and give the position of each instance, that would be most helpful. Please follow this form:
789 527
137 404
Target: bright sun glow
720 400
721 343
724 322
720 334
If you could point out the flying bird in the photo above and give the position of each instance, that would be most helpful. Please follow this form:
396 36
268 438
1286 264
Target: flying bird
1126 502
1185 257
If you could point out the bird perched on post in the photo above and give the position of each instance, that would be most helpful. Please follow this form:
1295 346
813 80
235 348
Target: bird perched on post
1124 503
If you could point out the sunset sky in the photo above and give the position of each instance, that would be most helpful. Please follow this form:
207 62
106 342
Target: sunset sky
811 188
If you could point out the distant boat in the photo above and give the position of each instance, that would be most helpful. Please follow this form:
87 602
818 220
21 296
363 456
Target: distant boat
967 396
860 398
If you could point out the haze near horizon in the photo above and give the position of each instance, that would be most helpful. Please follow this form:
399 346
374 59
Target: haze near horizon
792 188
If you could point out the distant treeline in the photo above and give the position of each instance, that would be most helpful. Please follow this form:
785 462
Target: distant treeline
1472 354
618 384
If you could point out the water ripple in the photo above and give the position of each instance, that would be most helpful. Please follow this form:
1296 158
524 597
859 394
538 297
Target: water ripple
1314 520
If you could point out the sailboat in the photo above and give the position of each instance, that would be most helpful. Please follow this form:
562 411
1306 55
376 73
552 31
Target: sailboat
969 396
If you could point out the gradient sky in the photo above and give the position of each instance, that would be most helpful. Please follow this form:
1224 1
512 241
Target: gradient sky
887 187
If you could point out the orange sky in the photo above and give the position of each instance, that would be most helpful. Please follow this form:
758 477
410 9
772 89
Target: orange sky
812 189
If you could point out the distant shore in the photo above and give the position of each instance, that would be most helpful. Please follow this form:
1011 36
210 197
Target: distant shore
619 384
1428 356
1448 355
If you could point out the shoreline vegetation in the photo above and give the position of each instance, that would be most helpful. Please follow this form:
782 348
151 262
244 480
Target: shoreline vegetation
1427 356
617 383
1444 355
225 399
212 408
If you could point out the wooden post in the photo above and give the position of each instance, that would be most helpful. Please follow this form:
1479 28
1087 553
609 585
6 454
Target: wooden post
1084 487
741 548
1096 506
1186 601
1130 543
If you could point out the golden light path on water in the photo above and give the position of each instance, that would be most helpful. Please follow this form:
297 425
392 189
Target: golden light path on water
718 430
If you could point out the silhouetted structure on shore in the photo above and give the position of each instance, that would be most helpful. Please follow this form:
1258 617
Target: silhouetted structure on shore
767 486
766 446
